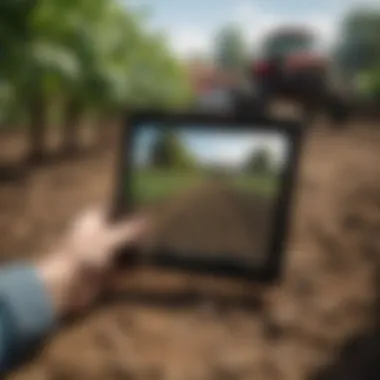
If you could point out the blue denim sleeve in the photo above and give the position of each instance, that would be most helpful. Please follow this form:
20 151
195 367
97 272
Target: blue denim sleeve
26 313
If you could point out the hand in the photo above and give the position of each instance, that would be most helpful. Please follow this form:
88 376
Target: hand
76 270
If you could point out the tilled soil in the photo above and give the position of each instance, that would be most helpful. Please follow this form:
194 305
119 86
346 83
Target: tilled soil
294 330
214 219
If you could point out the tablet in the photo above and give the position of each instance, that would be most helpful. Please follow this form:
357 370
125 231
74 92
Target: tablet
218 187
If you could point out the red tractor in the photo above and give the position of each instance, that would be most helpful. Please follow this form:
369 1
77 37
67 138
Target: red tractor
291 66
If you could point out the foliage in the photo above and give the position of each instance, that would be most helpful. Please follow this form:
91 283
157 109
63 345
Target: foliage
358 53
369 83
359 47
94 53
260 162
230 48
169 152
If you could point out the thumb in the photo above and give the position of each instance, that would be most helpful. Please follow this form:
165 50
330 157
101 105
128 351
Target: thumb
130 231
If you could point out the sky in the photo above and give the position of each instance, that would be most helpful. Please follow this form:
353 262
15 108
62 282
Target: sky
191 25
229 149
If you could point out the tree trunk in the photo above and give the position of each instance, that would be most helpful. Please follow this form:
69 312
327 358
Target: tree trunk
37 130
71 144
105 130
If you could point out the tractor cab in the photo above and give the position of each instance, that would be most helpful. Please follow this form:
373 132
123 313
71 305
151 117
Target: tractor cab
292 66
288 48
286 41
290 63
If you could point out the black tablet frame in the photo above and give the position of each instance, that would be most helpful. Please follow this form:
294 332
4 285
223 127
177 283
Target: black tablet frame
272 269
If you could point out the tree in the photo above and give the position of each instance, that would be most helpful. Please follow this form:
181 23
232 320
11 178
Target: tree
260 162
358 53
359 46
14 38
230 49
81 57
169 152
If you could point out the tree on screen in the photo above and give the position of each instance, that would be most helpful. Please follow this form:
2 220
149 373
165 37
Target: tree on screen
169 152
260 162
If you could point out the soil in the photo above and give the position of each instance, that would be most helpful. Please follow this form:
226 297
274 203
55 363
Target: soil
214 219
297 329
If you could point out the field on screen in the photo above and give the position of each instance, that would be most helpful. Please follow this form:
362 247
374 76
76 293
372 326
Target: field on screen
215 190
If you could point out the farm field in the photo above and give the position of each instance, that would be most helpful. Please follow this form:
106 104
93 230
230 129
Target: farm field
214 218
71 71
229 330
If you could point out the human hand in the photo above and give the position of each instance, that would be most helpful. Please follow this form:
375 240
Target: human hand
75 271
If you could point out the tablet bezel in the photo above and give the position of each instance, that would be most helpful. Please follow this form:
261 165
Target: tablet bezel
293 128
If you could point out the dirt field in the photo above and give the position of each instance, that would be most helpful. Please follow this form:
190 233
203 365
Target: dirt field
213 218
296 330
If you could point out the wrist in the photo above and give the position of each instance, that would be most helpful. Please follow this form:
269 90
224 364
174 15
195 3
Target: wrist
57 274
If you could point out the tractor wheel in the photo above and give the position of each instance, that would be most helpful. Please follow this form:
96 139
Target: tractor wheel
338 112
310 111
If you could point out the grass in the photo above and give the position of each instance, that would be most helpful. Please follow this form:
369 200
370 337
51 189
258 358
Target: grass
261 185
153 185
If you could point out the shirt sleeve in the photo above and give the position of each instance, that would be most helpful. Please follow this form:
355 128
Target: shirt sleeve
26 313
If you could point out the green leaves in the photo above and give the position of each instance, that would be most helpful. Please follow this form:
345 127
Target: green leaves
261 162
230 49
95 51
360 46
49 58
169 152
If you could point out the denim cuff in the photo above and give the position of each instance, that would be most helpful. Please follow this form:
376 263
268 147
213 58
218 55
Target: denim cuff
27 308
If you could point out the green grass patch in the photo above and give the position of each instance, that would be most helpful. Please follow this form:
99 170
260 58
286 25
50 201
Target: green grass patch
262 185
150 186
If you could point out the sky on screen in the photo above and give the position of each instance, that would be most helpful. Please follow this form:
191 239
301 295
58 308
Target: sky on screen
230 149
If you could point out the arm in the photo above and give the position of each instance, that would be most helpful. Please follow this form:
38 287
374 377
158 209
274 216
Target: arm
63 283
26 313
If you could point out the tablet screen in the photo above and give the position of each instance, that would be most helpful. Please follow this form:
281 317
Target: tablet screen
213 191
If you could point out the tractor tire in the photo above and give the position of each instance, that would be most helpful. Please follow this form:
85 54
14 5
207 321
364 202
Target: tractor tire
338 112
310 113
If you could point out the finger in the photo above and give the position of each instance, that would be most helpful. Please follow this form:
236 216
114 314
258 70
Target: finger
129 231
123 234
89 220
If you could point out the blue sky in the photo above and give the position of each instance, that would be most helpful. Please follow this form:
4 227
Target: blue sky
223 148
190 25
